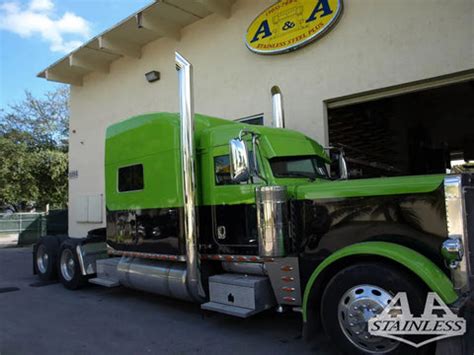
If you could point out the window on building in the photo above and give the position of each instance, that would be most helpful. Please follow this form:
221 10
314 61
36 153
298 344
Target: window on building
255 120
130 178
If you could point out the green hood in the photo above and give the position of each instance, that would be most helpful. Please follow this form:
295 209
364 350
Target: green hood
368 187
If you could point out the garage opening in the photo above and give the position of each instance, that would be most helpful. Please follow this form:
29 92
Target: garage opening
424 132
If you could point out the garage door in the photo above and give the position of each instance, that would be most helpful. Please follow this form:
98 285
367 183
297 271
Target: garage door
424 132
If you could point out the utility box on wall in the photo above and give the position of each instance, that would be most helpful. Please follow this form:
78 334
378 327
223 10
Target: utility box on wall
89 209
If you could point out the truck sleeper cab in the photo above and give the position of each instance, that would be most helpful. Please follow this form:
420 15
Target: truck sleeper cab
242 219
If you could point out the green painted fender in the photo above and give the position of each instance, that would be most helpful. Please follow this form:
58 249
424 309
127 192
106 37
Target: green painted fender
430 273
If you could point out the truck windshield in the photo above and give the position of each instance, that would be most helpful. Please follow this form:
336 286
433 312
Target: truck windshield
309 167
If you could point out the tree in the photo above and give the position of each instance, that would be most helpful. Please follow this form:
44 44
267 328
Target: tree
51 176
33 151
17 182
45 121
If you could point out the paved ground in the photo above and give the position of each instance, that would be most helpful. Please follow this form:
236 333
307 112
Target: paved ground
52 320
10 239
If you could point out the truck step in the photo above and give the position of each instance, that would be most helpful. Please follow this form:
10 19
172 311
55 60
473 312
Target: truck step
106 273
239 295
104 282
230 310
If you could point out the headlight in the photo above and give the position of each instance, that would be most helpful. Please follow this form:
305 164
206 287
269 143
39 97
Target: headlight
452 251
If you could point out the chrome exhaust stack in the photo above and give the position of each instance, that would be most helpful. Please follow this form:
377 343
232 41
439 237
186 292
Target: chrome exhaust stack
278 115
186 109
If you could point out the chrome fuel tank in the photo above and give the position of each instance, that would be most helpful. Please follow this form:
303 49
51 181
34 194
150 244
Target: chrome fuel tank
160 277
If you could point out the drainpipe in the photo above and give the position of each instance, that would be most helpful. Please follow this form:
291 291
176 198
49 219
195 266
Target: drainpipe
278 117
186 109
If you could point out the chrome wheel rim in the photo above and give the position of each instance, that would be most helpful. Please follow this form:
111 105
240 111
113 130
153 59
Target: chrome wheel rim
42 259
356 307
68 265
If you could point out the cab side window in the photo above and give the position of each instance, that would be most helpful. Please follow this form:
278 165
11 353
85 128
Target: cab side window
222 170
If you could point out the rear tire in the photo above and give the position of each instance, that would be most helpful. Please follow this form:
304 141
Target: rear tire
358 293
45 258
69 270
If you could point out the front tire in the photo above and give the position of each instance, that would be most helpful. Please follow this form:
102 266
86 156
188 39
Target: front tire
359 292
68 266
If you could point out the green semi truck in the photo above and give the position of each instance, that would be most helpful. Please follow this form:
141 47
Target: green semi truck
241 219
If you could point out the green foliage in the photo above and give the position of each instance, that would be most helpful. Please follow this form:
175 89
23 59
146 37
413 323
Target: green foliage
51 167
17 182
45 122
33 151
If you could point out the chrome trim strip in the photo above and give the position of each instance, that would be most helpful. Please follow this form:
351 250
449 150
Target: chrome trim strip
134 254
182 258
236 258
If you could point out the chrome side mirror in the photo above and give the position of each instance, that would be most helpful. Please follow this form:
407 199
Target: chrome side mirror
239 160
338 163
343 171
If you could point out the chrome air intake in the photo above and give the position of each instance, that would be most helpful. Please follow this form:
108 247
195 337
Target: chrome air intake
469 204
272 219
186 109
278 115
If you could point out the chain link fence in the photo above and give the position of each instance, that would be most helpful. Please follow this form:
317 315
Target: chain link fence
27 228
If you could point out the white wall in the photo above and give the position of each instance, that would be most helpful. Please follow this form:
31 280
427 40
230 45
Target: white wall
377 43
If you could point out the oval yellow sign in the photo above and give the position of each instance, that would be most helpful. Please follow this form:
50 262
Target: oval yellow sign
291 24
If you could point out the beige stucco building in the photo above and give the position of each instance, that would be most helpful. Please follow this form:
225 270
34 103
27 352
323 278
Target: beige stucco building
379 50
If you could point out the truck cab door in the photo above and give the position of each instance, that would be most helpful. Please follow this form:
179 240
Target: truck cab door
233 215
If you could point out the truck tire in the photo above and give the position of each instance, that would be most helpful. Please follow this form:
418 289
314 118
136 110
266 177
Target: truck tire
364 288
69 270
45 258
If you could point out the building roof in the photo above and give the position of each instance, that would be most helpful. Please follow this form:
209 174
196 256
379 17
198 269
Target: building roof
162 18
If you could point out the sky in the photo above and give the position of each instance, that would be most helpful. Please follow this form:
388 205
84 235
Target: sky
36 33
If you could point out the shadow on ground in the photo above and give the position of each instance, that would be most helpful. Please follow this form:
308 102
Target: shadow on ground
45 318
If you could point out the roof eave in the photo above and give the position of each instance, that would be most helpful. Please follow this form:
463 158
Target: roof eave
162 18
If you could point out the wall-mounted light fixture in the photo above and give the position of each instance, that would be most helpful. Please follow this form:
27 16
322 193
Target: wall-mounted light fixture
152 76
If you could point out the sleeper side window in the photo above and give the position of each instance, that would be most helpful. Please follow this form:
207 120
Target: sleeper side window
130 178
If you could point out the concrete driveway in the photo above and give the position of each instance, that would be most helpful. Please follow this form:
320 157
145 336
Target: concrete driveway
39 318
